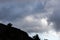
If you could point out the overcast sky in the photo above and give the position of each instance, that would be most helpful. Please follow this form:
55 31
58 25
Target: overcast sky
33 16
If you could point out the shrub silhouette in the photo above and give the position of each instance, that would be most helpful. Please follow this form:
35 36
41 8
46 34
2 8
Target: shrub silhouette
36 37
7 32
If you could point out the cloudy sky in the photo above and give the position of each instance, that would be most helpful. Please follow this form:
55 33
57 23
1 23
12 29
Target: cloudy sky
40 17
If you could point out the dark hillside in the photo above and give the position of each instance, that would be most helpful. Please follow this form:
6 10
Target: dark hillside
7 32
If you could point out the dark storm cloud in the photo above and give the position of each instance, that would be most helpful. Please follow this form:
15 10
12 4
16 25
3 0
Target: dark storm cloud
55 18
6 15
12 11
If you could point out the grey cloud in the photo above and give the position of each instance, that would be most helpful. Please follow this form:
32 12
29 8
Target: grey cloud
55 18
12 11
30 26
16 12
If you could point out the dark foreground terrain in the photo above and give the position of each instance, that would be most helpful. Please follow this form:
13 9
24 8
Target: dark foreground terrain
7 32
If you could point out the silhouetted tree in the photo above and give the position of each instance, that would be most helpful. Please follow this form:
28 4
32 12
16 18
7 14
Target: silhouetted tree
36 37
9 25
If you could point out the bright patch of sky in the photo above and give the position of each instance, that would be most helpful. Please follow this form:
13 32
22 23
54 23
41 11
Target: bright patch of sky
50 35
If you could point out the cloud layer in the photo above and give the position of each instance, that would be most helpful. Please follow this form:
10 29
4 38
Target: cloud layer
31 15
